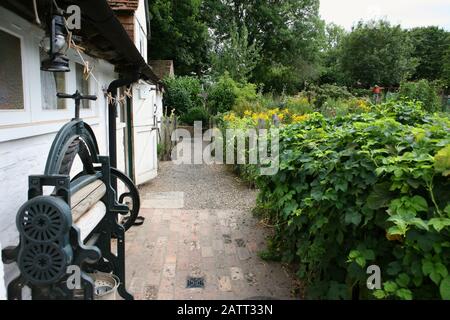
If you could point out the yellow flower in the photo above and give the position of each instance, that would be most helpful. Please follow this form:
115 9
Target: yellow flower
300 118
247 113
229 117
263 116
362 104
281 116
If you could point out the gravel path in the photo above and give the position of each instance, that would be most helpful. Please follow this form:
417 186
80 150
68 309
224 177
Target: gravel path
204 186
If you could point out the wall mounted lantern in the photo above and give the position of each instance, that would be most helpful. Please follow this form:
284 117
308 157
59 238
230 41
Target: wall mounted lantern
55 42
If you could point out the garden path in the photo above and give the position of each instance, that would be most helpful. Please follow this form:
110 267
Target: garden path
199 225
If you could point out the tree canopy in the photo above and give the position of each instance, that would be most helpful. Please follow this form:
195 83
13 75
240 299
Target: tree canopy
282 45
377 53
179 33
430 46
235 55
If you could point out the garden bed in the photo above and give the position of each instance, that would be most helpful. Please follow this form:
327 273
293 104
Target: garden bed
360 190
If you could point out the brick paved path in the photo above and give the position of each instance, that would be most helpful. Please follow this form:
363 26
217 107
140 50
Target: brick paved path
218 245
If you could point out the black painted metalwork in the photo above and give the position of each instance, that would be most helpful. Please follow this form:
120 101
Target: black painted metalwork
77 96
50 242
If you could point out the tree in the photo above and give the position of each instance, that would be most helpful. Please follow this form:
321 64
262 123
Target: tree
289 33
179 33
334 35
430 45
377 53
446 66
235 56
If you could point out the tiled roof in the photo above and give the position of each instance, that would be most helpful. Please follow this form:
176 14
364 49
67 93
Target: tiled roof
124 11
124 5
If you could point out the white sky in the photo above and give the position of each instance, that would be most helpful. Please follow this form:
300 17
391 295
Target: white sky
408 13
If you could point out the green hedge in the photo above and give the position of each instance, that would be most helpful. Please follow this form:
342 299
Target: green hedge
423 91
195 114
360 190
226 94
182 94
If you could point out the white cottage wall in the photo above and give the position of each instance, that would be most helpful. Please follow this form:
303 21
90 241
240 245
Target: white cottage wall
140 29
24 146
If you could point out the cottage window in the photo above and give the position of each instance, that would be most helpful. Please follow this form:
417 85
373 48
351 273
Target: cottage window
28 102
51 84
82 85
11 84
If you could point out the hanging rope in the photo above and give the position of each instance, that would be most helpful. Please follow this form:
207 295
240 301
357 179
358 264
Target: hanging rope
128 92
56 5
36 14
88 70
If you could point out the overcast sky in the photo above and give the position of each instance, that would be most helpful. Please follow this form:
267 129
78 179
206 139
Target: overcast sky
409 13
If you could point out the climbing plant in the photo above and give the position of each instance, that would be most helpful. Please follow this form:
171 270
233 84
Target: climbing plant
359 190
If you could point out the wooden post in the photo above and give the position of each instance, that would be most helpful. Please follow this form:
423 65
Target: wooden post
276 120
261 124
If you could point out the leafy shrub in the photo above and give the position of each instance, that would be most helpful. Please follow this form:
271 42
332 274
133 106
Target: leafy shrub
251 120
340 107
335 107
405 112
246 96
195 114
361 92
364 189
422 91
226 94
182 93
329 91
299 104
222 95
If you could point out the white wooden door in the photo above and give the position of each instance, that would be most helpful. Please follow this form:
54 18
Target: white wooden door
145 159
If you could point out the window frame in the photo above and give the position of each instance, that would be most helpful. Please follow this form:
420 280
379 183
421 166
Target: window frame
39 113
33 119
17 28
92 85
65 74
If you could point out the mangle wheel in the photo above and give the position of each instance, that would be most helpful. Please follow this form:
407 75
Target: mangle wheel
43 263
44 219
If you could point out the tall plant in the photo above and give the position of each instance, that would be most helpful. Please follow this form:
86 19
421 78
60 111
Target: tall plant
236 56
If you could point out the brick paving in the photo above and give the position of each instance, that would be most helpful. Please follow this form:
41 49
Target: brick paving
174 244
210 238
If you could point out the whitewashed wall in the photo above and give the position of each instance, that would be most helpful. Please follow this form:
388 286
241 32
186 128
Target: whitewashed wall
24 146
140 29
